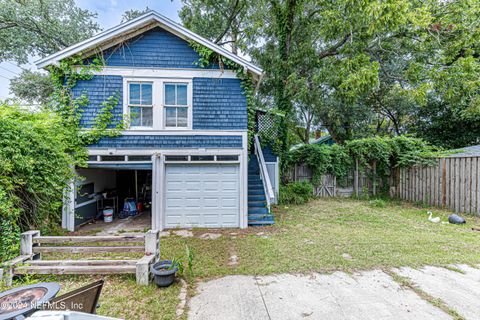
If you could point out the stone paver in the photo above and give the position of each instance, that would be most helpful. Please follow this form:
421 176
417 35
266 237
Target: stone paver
366 295
460 292
183 233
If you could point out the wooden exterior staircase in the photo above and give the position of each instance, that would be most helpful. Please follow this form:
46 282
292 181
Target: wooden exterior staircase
33 245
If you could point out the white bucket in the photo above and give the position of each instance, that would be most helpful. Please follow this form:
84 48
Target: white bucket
108 215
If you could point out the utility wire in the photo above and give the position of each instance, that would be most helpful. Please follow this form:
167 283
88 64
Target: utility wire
17 66
9 70
5 77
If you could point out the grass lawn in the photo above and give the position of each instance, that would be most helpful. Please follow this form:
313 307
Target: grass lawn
323 235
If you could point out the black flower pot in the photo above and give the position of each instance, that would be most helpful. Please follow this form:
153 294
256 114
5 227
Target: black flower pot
163 272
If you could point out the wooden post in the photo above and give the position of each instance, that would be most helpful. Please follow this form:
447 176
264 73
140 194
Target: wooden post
355 178
374 169
444 183
152 255
26 242
152 244
142 271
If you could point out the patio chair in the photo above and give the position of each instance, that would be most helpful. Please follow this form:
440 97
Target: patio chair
84 299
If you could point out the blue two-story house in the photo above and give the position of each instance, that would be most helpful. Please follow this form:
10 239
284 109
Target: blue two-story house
184 158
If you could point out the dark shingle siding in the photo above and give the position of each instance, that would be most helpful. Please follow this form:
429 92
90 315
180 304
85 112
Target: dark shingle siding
155 48
219 104
268 154
170 142
98 90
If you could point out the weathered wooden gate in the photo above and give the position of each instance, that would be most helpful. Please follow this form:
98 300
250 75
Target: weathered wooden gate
327 186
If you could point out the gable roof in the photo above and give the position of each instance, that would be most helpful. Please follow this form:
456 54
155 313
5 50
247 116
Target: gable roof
151 18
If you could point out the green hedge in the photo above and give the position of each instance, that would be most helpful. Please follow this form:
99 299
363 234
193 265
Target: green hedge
35 168
296 193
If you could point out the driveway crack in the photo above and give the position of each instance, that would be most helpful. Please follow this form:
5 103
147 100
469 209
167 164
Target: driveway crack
263 299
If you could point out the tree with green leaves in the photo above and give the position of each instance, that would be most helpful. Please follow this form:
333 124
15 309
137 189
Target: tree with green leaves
223 22
39 28
133 13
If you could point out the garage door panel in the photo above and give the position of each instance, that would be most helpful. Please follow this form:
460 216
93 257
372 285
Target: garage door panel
202 195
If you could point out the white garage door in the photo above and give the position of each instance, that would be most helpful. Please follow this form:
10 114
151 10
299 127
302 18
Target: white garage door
202 195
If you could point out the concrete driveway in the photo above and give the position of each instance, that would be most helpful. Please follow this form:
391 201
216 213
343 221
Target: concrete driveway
364 295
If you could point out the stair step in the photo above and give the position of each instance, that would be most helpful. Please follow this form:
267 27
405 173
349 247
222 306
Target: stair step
258 211
255 192
261 220
261 223
258 216
260 197
75 269
257 204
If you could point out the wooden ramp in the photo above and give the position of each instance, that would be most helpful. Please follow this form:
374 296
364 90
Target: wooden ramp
33 245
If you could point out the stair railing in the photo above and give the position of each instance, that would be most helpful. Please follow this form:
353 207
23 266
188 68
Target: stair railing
267 185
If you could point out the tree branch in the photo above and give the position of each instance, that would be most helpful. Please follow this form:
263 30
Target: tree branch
232 16
333 50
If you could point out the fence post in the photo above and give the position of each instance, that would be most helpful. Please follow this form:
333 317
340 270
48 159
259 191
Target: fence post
152 243
355 178
374 182
444 183
152 255
26 242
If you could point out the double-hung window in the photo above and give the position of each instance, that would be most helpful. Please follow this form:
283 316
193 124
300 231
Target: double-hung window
140 104
176 105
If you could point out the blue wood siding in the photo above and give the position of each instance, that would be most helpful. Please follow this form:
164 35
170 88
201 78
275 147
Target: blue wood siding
219 104
155 48
268 154
170 142
99 89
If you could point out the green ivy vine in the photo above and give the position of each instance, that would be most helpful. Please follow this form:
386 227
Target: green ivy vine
65 77
209 57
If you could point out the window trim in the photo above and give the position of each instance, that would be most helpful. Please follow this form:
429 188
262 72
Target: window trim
158 105
188 105
129 105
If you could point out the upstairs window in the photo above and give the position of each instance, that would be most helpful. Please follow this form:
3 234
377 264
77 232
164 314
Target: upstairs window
176 105
140 104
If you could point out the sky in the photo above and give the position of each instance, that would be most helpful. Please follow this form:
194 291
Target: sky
109 14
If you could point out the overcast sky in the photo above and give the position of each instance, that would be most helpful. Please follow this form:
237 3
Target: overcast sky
109 14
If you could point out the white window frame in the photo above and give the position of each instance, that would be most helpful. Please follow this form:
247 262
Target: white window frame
140 106
188 106
158 85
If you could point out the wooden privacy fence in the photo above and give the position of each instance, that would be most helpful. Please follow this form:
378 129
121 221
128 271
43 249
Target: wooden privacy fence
327 186
330 186
453 183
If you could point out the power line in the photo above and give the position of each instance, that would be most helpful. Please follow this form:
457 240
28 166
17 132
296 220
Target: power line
9 70
17 66
5 77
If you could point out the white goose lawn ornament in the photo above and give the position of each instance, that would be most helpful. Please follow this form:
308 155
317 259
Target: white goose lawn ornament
435 220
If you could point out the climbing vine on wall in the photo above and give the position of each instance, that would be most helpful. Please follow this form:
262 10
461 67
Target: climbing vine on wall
65 77
209 57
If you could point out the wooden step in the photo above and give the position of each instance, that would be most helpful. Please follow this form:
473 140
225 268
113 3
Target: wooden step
89 249
75 269
82 262
86 239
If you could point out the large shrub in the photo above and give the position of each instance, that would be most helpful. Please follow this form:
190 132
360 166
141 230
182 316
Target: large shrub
35 168
322 159
296 193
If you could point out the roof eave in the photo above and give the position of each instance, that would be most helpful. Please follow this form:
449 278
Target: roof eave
137 23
